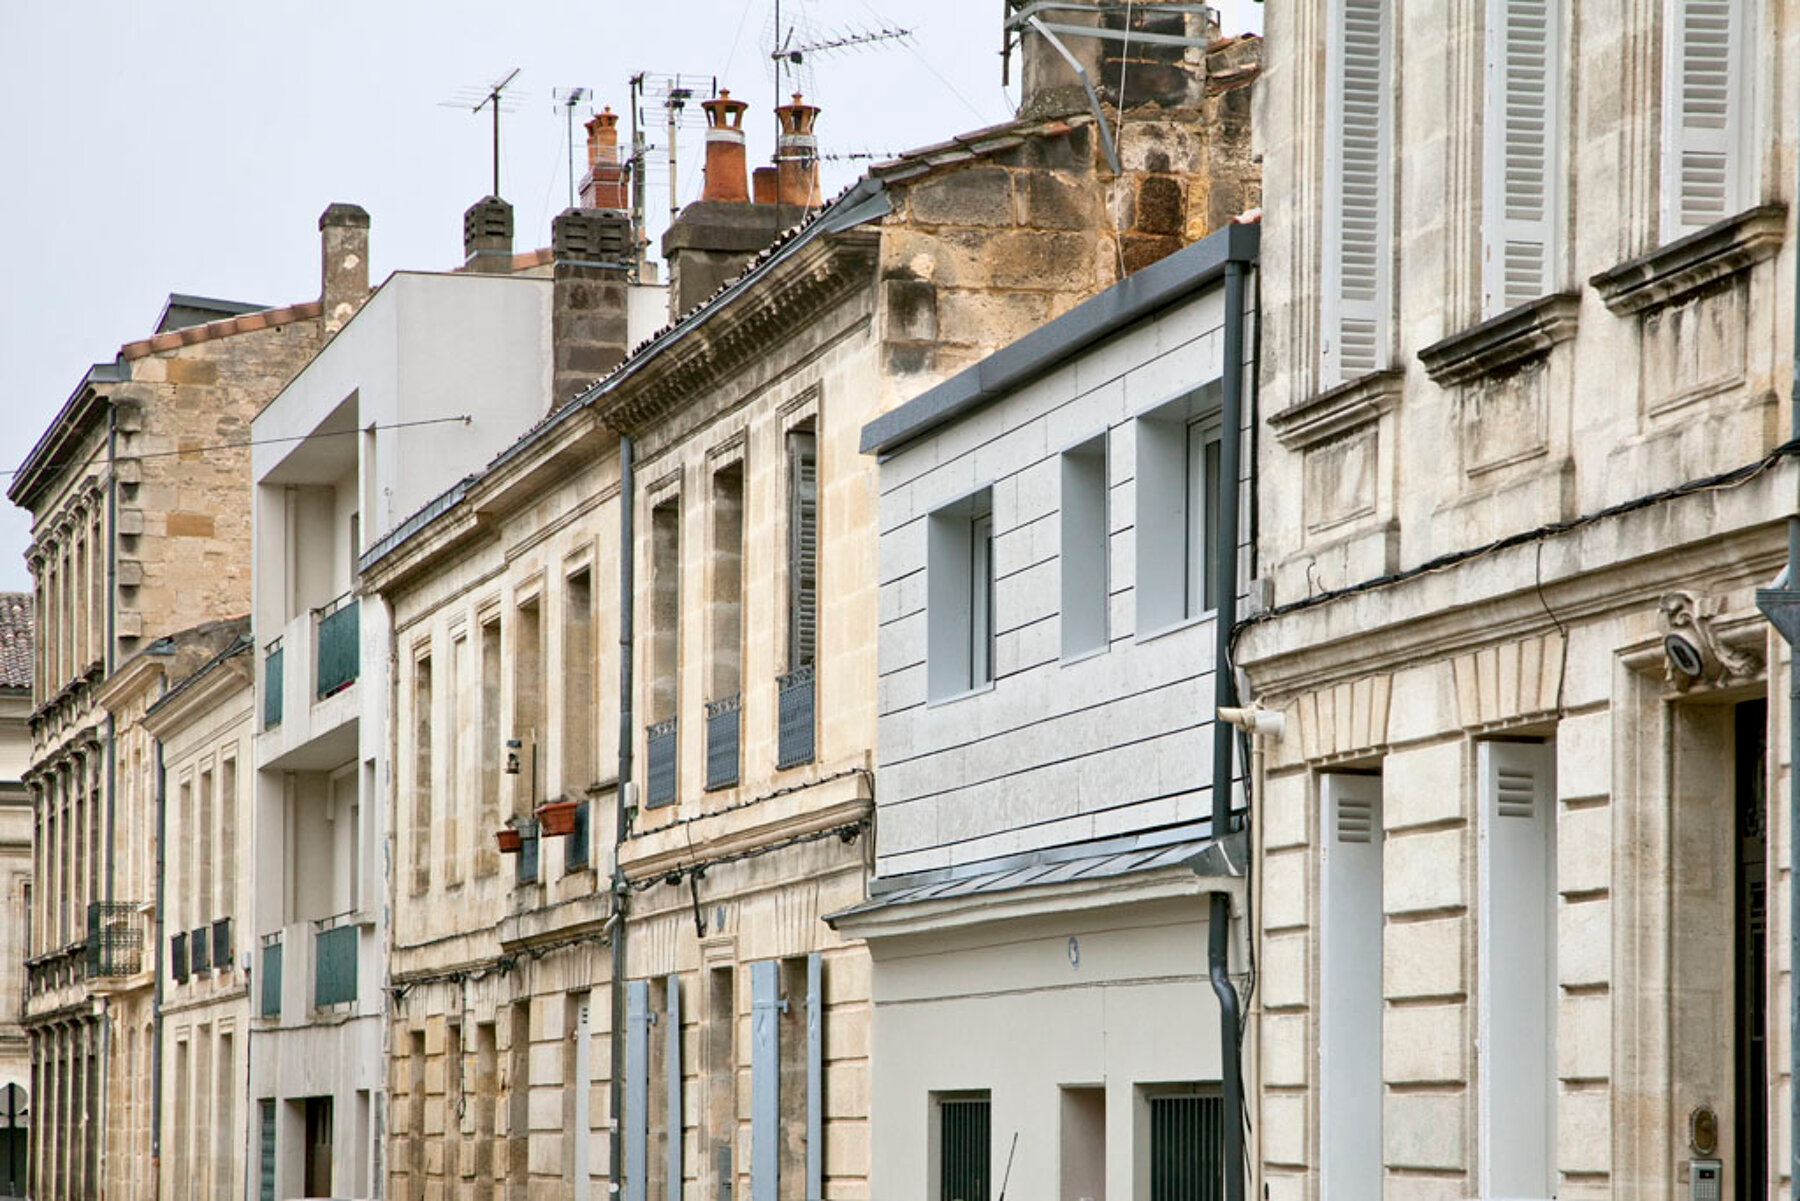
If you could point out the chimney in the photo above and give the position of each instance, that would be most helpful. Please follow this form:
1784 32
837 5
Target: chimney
488 237
344 274
763 181
797 155
1162 72
724 149
589 328
604 185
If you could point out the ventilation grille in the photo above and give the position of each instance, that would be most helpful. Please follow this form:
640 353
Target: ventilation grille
1355 820
1515 793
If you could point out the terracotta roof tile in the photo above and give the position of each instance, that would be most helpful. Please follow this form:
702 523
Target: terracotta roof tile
220 329
15 640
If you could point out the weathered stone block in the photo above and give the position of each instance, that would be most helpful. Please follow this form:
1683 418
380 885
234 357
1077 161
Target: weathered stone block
1425 959
976 196
1425 1045
1424 871
1425 1130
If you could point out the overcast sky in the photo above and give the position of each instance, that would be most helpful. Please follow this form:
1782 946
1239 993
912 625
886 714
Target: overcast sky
151 149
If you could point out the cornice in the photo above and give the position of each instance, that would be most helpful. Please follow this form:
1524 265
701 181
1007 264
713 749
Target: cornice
810 810
1686 265
1343 408
1503 342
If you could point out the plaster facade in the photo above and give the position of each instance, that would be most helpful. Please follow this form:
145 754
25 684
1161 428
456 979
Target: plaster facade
1566 884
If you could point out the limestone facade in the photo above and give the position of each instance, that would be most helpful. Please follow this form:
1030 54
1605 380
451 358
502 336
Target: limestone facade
1522 867
15 885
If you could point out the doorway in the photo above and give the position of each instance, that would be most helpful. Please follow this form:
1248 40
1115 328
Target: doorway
1751 951
317 1180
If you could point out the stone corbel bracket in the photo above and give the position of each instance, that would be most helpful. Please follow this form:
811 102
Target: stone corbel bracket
1689 264
1500 343
1690 617
1346 407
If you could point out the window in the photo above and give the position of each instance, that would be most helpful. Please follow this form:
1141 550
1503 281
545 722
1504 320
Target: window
1358 217
1187 1128
456 755
1177 513
726 627
661 741
1083 1142
487 860
528 702
578 685
1706 133
1523 118
1516 957
803 547
228 823
963 1146
1350 1009
1084 575
959 597
421 775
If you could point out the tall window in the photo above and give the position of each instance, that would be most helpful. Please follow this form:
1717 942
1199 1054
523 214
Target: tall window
1517 968
1358 207
421 776
1520 171
456 756
1084 575
1200 537
528 701
803 547
487 860
662 739
228 823
1706 148
959 596
578 684
963 1141
1350 1009
1177 524
725 634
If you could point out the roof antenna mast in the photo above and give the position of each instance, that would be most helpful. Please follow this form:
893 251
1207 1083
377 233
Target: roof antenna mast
492 99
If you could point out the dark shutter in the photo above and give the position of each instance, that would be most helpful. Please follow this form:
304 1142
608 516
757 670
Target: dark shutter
803 548
965 1148
1186 1137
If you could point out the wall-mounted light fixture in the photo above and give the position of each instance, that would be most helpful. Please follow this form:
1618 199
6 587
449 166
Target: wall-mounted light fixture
513 747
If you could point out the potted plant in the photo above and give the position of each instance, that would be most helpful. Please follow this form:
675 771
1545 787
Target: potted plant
510 840
557 817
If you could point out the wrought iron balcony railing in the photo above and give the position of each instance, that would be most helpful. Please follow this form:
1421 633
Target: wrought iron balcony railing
660 748
723 723
115 939
272 677
796 718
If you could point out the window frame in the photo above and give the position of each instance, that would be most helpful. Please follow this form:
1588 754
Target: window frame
961 608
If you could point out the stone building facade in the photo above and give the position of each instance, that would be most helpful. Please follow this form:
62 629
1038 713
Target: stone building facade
140 525
15 887
736 1028
1522 872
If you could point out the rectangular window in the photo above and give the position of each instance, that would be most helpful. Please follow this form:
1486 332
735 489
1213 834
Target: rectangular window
720 1116
1706 142
1356 268
1187 1128
959 597
203 846
487 858
1200 538
578 686
1084 546
1177 524
662 736
803 547
963 1146
1522 122
1516 957
528 702
1350 1009
456 754
421 774
228 823
725 634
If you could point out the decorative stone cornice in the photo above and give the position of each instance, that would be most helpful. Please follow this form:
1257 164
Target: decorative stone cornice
1514 337
1688 264
1343 408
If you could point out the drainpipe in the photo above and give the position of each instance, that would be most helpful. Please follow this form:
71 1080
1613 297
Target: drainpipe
156 997
112 537
615 1134
1224 566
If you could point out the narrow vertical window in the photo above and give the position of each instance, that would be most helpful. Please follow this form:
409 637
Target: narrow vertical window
803 548
456 740
1705 176
959 596
1519 167
726 627
1200 538
981 599
578 685
202 883
962 1138
1517 968
1350 1009
487 860
421 774
662 736
528 702
1355 289
228 823
1084 544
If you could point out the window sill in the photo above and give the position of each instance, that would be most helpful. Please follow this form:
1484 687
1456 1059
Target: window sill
1093 652
1689 264
1337 410
1502 342
934 702
1186 623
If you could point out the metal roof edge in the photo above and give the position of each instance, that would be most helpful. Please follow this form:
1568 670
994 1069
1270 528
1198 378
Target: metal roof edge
1134 297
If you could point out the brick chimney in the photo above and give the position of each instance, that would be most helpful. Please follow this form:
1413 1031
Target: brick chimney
344 273
724 149
797 155
488 237
589 330
603 187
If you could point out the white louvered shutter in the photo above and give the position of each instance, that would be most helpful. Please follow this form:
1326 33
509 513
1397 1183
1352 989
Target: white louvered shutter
1520 196
803 549
1703 90
1516 825
1350 985
1357 208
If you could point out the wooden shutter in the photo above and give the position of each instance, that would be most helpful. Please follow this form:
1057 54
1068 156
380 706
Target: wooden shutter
1517 977
637 1089
765 1080
1350 921
1357 215
1703 89
815 1076
672 1084
803 548
1519 198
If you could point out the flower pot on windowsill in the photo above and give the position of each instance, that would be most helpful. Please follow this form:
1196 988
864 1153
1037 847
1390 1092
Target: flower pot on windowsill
510 840
557 817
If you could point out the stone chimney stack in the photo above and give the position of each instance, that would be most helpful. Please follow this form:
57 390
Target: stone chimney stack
797 155
589 330
725 150
604 185
488 237
344 274
1166 73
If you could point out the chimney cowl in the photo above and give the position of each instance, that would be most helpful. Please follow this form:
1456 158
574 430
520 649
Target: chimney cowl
488 236
725 164
604 186
797 155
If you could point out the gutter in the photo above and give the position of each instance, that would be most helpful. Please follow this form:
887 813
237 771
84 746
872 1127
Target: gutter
615 1134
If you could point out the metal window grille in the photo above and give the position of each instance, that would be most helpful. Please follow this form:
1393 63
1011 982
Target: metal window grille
334 963
271 975
722 725
796 718
528 852
200 951
339 645
115 939
178 957
1187 1133
575 844
660 750
222 949
272 686
965 1149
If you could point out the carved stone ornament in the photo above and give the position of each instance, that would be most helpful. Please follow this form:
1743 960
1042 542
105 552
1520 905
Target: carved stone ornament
1692 650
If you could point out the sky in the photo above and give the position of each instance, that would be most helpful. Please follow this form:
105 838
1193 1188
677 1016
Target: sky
150 149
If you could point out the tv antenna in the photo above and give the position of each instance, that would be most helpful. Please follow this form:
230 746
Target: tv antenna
796 43
567 99
476 99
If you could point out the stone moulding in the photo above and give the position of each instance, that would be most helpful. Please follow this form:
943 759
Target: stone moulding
1338 410
1514 337
1689 264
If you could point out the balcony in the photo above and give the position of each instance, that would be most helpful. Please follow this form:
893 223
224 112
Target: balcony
660 750
271 975
795 720
272 685
339 645
334 961
723 722
115 939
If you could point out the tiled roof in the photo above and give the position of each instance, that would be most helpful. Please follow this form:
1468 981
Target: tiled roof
15 640
175 338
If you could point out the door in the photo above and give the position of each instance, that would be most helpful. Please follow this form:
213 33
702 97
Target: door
12 1140
1751 939
317 1181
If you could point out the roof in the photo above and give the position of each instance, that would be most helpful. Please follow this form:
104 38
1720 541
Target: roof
16 633
182 310
223 328
239 645
1136 296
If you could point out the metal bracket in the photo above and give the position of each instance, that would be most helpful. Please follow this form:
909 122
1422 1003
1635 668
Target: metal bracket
1782 607
1106 141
